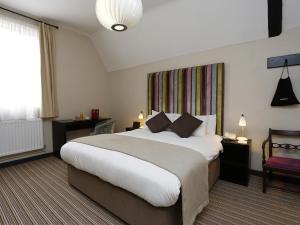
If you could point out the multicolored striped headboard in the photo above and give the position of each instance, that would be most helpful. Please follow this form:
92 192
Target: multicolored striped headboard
198 90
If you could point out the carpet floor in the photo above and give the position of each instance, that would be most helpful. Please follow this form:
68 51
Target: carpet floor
37 192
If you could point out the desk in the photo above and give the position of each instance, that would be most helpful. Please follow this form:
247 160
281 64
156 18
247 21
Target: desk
61 127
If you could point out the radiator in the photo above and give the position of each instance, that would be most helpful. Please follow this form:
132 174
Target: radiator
18 136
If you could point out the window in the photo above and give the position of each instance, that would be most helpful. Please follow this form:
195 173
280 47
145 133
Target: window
20 69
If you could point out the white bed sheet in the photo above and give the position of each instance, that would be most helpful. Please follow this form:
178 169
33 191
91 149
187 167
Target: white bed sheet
157 186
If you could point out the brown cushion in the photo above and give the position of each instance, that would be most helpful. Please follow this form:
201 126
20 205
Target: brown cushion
158 123
185 125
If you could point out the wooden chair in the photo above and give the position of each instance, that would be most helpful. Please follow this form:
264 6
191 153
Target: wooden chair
283 165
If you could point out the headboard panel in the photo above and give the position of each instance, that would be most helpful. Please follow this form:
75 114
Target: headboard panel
198 90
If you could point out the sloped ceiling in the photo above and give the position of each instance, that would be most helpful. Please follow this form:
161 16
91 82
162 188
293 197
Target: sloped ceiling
186 26
76 14
168 28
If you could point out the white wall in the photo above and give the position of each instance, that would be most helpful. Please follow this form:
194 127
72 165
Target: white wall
81 80
249 87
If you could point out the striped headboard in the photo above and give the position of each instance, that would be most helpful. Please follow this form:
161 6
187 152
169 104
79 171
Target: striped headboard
198 90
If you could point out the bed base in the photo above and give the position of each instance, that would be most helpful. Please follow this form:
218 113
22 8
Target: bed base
127 206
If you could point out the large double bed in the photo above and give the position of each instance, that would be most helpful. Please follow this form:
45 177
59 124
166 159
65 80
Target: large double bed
137 191
148 178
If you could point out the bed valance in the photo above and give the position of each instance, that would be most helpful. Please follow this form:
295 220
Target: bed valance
197 90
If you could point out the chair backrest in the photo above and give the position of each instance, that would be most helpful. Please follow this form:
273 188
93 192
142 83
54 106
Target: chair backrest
285 133
105 127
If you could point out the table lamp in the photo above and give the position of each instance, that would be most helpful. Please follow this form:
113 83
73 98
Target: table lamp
242 124
141 118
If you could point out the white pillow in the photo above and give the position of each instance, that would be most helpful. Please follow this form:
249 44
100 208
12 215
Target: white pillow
211 126
202 129
210 122
154 113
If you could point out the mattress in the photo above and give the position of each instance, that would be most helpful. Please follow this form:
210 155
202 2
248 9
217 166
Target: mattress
155 185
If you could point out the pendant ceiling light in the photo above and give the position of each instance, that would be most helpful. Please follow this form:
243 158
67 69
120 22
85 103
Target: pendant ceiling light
119 15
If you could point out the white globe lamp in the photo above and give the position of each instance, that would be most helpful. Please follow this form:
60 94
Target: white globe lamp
119 15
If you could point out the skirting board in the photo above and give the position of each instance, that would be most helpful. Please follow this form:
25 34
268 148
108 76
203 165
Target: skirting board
23 160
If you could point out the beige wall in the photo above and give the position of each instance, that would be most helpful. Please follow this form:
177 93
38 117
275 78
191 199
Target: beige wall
249 87
82 82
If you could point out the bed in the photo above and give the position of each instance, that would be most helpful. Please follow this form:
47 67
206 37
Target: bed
136 190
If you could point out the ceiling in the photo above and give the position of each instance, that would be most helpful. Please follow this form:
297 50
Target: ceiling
168 28
77 14
186 26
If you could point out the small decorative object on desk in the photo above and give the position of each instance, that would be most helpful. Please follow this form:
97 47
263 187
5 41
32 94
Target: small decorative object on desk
81 117
95 114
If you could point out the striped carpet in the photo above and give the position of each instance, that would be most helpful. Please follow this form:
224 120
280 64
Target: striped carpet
38 193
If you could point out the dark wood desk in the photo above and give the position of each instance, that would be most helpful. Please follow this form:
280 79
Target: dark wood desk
61 127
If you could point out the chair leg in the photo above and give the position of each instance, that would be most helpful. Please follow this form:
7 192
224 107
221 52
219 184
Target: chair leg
264 180
270 175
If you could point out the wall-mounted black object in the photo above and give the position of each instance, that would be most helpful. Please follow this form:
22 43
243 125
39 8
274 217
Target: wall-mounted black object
278 61
284 94
275 17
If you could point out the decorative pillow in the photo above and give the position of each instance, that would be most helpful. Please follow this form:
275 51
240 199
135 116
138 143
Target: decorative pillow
171 116
158 123
201 130
148 118
185 125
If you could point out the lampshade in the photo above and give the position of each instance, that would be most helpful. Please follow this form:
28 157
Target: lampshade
141 115
242 122
119 15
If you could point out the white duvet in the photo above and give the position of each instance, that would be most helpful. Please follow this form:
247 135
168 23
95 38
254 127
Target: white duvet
146 180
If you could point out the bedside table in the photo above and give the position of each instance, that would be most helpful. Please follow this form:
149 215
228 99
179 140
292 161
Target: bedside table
235 161
130 128
135 125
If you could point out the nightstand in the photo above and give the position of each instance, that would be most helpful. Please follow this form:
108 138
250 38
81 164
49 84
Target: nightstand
135 125
130 128
235 161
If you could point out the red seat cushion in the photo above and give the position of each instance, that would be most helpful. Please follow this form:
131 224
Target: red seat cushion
283 163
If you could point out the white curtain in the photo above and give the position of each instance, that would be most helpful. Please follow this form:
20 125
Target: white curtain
20 69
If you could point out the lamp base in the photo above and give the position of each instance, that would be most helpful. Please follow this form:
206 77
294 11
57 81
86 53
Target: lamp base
242 139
